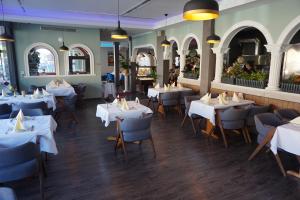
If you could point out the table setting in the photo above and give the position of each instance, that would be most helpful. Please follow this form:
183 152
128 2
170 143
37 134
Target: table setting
157 90
60 88
23 129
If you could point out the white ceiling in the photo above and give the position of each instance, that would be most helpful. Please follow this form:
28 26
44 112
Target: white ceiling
100 13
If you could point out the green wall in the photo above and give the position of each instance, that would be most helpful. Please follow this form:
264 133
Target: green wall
27 34
145 38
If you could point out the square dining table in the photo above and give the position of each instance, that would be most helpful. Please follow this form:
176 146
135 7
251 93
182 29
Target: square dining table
38 126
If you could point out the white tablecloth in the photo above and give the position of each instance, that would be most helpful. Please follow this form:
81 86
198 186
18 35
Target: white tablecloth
43 126
109 112
109 88
15 101
208 111
155 92
287 137
61 91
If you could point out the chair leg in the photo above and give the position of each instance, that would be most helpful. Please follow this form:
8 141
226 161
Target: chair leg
41 178
74 117
245 136
152 143
224 136
193 125
265 141
117 143
280 165
182 123
124 148
248 134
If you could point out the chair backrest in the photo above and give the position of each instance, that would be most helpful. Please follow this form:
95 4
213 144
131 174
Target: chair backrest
7 194
169 98
188 100
136 129
18 162
254 110
233 118
28 112
287 114
70 102
183 94
36 105
5 111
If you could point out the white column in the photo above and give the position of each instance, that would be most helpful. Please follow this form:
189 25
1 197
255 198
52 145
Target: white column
219 63
275 66
182 54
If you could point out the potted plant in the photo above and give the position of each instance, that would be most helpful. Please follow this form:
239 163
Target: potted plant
292 84
256 79
231 73
34 62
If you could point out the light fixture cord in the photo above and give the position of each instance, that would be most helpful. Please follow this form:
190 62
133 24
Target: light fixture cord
118 12
2 12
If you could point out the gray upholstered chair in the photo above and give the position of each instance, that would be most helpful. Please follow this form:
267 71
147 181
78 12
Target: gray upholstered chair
7 194
27 112
20 162
287 114
134 129
36 105
187 102
233 119
5 111
169 99
266 124
183 94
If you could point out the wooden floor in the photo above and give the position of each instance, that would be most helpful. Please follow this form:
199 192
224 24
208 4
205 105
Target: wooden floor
186 167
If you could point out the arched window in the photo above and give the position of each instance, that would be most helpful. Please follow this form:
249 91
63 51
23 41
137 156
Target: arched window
192 61
80 60
41 60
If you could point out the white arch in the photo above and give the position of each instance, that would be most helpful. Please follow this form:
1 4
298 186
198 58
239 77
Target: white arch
232 31
173 39
136 48
47 46
90 52
288 32
186 42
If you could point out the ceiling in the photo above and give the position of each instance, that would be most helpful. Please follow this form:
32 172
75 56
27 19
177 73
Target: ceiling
100 13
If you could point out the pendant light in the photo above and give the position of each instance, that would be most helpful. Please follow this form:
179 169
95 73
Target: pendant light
4 36
165 42
63 48
119 33
195 10
213 38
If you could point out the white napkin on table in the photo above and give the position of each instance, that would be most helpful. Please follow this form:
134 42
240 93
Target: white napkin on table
235 98
179 85
137 100
20 115
173 85
124 105
65 83
221 99
36 94
296 121
224 95
4 93
45 93
51 84
157 86
206 98
241 96
19 126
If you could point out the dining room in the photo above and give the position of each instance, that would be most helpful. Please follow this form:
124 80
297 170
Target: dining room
148 99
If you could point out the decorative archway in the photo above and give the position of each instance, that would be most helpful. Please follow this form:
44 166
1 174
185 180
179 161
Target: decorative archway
288 32
88 50
173 41
223 47
136 48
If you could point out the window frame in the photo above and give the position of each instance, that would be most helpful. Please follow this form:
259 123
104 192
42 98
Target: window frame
91 63
46 46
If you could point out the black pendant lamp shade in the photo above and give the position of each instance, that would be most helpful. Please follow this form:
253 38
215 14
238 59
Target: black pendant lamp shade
213 39
63 47
119 33
195 10
165 42
4 36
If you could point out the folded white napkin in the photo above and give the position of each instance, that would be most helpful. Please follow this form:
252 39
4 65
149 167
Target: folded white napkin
45 93
206 98
137 100
173 85
115 101
235 98
4 93
124 105
157 86
221 99
166 87
52 84
179 85
224 95
19 125
20 115
241 96
296 121
36 94
65 83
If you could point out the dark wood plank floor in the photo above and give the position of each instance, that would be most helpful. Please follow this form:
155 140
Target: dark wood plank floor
186 167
